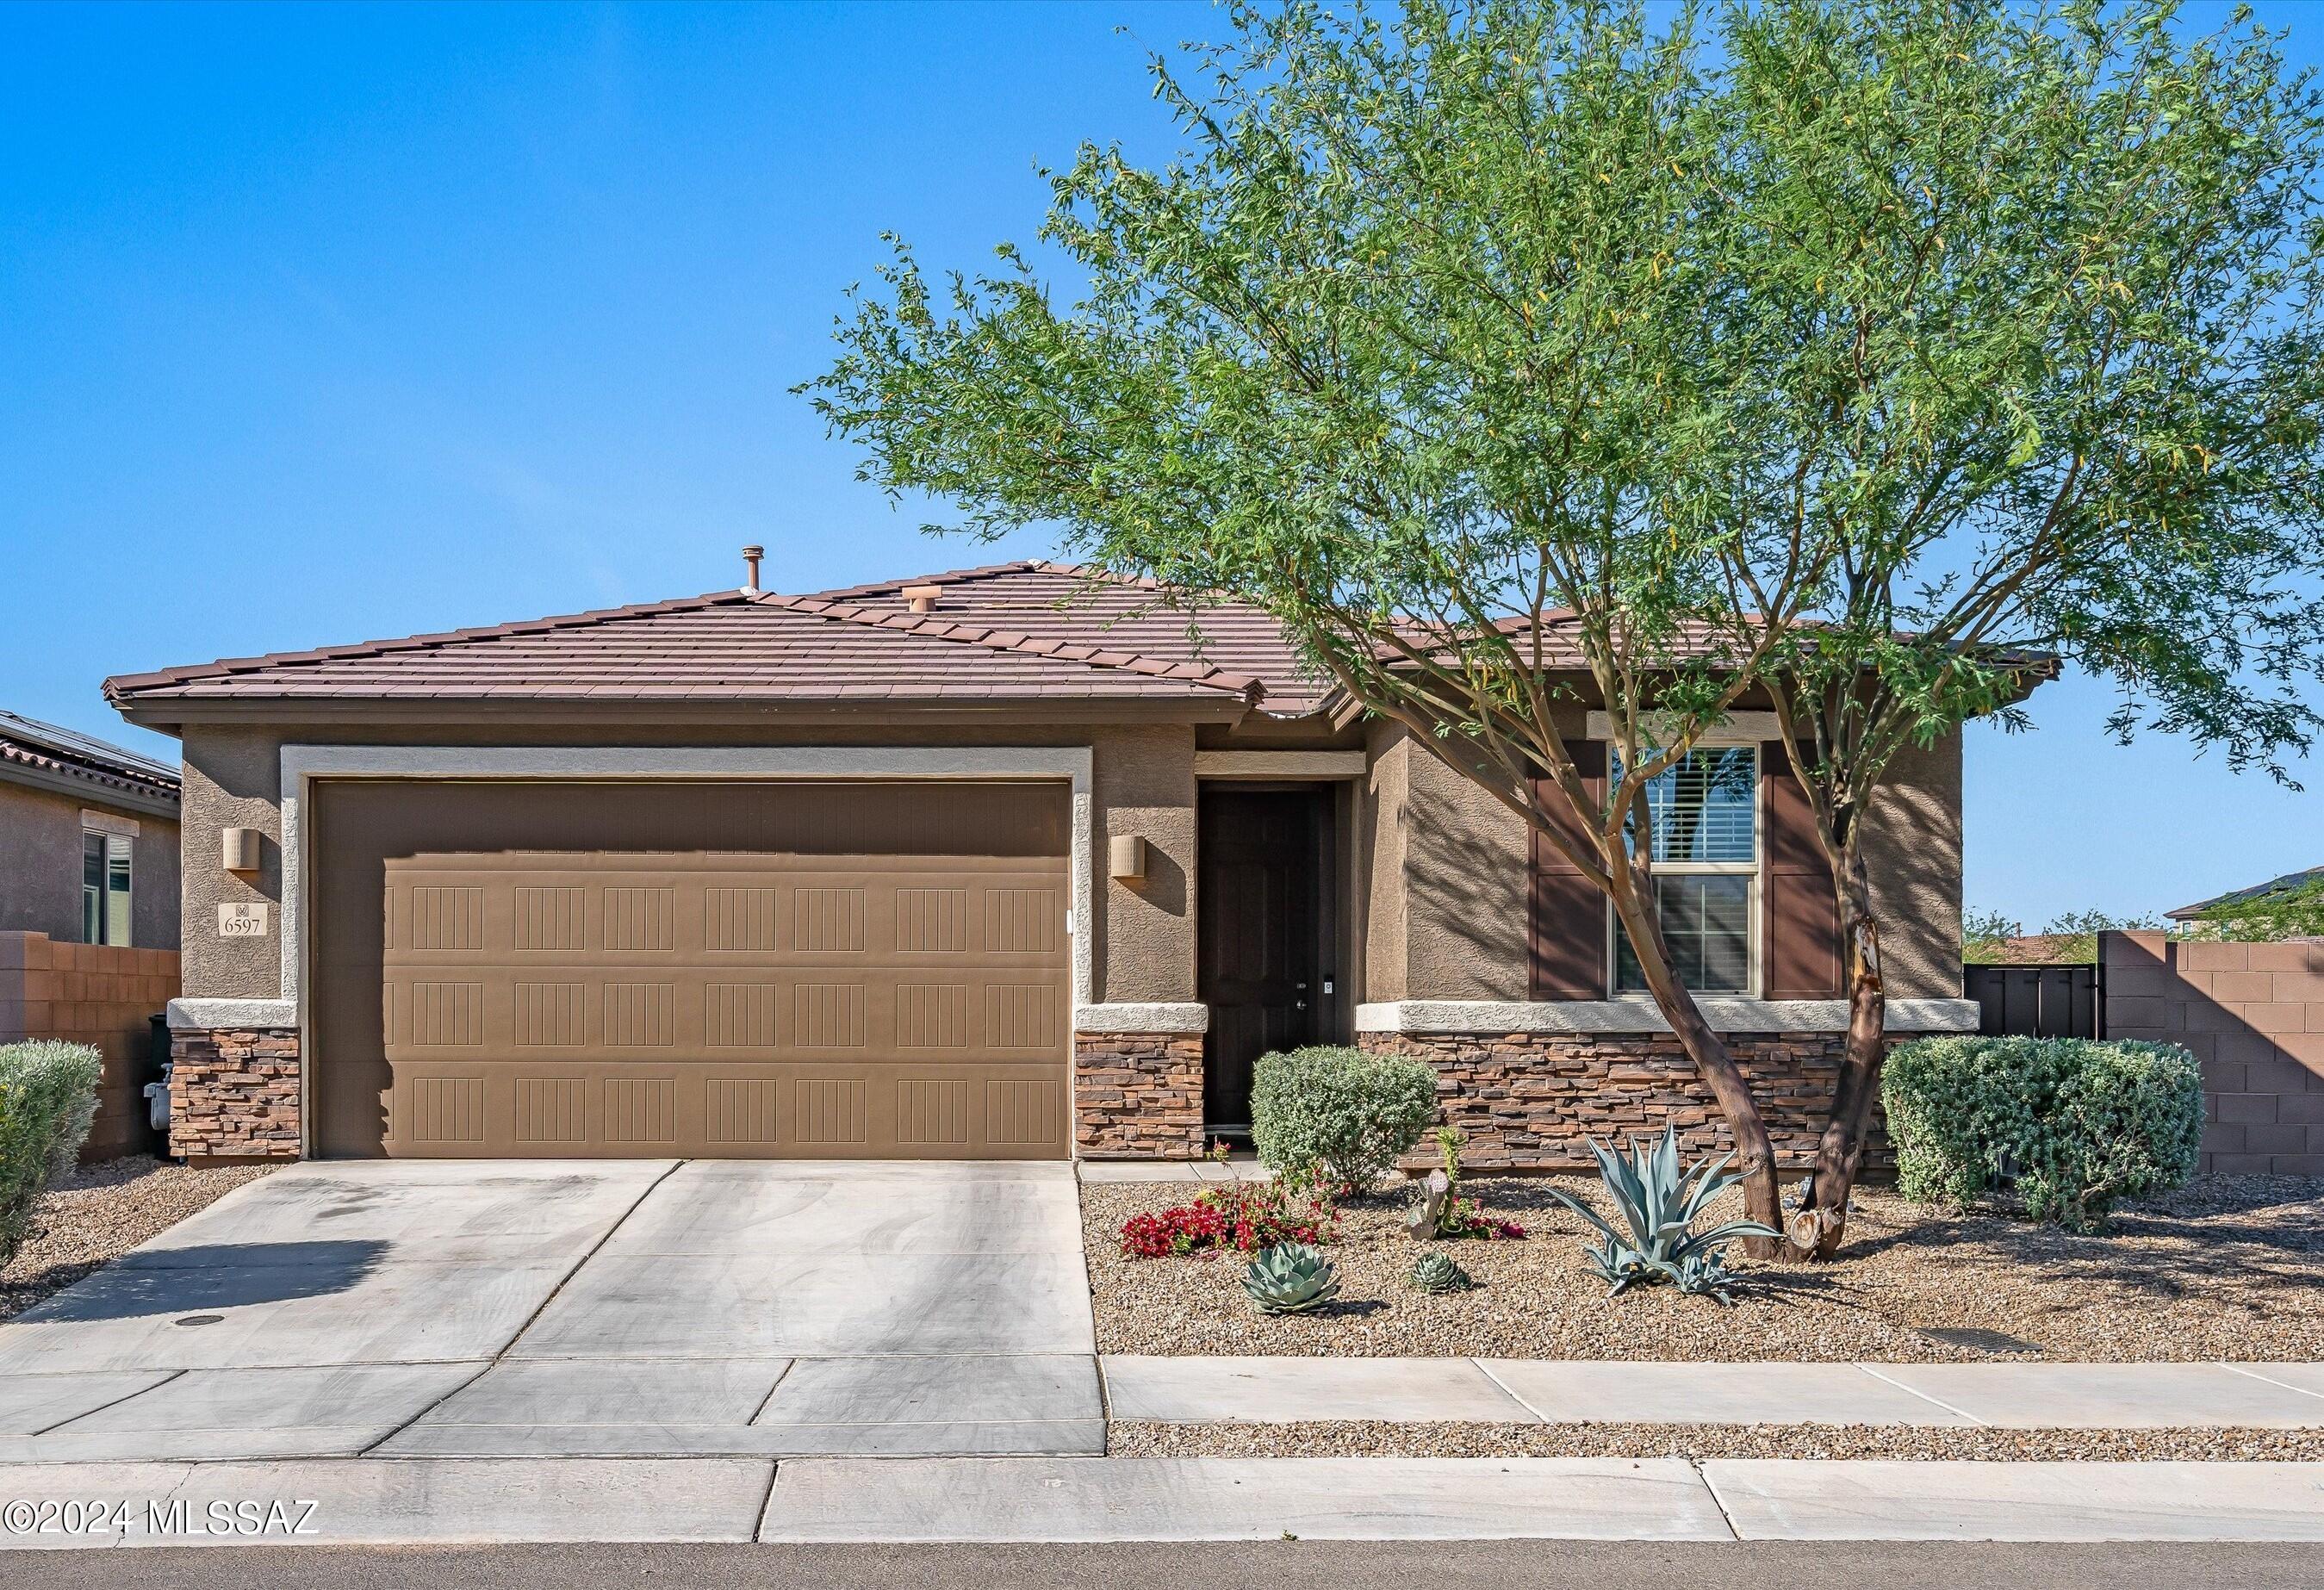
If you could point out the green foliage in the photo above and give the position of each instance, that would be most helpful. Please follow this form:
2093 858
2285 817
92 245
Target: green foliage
1448 1150
2076 933
2071 1124
1520 355
1956 327
1291 1278
1658 1203
2294 913
2072 936
1982 936
1436 1273
1338 1110
48 1095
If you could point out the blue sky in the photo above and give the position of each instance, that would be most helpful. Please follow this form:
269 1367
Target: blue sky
318 325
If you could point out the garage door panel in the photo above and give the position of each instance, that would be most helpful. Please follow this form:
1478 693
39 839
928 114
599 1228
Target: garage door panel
513 1013
594 1108
643 1002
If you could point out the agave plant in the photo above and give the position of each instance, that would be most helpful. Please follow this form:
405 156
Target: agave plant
1658 1203
1291 1278
1436 1273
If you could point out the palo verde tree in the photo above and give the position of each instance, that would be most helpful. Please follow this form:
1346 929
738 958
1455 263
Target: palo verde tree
2059 391
1452 341
1414 349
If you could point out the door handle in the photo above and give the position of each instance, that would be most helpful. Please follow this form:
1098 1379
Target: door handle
1299 1005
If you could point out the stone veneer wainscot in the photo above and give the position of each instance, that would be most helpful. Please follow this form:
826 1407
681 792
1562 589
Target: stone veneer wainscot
234 1093
1531 1101
1139 1095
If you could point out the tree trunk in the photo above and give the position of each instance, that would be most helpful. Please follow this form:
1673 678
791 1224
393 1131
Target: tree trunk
1755 1155
1822 1225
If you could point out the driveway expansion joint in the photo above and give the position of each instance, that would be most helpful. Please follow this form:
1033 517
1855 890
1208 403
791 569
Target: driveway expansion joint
486 1367
1873 1371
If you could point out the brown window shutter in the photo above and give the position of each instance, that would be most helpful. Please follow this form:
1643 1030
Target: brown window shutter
1799 921
1568 936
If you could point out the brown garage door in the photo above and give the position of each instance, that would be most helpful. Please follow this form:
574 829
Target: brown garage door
732 971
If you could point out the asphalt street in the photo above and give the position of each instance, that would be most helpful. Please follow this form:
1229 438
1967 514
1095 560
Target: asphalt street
1284 1565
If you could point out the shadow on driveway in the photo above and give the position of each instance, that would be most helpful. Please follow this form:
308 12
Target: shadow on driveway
224 1275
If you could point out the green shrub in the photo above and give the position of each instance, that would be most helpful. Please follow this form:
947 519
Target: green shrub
48 1092
1340 1110
2072 1124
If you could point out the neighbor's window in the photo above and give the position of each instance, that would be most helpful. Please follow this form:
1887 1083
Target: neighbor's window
1705 811
103 887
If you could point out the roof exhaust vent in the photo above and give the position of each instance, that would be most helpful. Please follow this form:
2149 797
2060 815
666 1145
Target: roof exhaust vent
751 556
923 598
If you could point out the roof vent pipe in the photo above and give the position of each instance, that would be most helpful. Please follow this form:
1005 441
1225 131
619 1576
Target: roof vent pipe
923 598
751 556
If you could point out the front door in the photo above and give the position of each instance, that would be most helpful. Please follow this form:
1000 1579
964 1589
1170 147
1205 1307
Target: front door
1260 921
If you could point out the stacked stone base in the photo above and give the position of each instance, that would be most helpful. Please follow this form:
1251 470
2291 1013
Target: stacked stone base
1138 1095
234 1094
1532 1100
1521 1100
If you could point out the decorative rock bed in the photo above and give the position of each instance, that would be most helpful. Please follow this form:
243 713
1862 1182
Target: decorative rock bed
2226 1268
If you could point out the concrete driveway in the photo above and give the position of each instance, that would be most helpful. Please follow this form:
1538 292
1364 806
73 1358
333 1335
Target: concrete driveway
599 1309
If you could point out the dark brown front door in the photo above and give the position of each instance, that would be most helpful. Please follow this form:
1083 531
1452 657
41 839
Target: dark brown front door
1261 925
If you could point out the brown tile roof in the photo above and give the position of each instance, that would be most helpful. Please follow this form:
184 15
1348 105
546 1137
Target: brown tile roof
727 646
1067 601
46 754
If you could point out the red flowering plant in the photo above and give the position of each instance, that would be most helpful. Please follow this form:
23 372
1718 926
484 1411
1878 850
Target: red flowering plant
1466 1216
1243 1216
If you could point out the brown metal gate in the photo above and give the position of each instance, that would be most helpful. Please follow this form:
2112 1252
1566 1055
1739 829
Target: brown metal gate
881 973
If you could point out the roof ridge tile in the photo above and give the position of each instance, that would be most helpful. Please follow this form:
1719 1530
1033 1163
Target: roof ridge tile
1247 686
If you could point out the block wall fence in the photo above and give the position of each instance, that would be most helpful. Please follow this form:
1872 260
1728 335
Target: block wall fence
2254 1016
104 995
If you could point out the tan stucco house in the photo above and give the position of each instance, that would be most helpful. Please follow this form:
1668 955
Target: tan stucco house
994 863
89 838
89 910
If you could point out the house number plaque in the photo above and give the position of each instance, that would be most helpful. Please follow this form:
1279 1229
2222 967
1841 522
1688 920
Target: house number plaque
243 921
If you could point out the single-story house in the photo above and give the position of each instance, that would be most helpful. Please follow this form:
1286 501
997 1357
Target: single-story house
2259 898
89 910
1001 862
89 838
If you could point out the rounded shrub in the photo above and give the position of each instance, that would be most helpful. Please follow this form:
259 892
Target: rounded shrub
1339 1111
48 1093
2070 1124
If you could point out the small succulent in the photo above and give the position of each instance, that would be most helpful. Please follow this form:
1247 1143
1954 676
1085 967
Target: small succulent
1659 1202
1435 1272
1291 1278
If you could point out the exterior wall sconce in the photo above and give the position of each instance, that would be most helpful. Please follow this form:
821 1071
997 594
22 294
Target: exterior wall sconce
1126 856
238 849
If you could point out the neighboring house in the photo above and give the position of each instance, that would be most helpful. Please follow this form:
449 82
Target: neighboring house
89 838
89 909
2276 894
992 863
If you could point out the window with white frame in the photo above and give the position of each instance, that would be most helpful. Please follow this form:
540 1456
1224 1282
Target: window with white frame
103 886
1704 809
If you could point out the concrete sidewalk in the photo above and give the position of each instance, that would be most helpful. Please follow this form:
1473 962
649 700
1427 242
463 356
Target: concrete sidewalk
445 1501
1514 1390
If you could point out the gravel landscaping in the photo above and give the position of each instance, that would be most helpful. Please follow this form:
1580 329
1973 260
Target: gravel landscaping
2226 1267
1358 1437
100 1212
